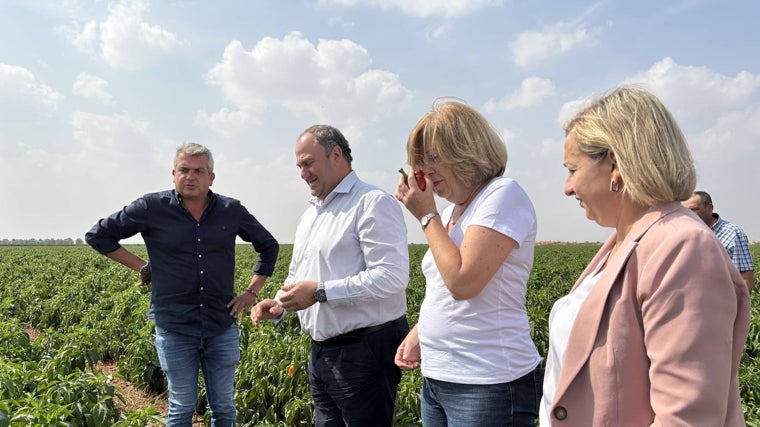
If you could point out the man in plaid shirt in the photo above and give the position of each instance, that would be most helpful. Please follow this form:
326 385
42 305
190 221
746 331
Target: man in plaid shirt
730 235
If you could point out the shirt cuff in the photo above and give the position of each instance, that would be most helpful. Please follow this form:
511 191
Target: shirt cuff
282 315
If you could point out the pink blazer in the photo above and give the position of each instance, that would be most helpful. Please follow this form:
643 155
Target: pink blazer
659 339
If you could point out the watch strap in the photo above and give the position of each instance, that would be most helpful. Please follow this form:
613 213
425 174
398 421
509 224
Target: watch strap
425 220
320 295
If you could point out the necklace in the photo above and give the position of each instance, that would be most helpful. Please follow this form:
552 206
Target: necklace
463 206
455 216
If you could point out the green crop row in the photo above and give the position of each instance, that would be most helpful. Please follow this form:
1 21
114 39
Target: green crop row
88 309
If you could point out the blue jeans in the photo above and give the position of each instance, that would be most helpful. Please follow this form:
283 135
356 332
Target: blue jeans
181 356
512 404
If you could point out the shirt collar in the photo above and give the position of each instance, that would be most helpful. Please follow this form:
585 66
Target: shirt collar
178 197
344 186
717 221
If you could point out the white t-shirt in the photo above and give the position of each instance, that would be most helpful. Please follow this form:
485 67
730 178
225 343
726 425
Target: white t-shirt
561 320
485 339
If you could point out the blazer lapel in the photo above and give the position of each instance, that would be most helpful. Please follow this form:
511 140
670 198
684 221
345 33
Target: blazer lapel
586 326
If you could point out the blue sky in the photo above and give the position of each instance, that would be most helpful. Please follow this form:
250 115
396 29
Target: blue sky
96 95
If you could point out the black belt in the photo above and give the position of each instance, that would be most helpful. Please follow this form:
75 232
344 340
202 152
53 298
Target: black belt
354 336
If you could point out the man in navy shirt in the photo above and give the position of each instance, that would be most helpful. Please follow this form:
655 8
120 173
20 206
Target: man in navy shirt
189 234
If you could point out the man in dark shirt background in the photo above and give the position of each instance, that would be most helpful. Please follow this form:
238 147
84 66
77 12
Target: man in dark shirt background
189 234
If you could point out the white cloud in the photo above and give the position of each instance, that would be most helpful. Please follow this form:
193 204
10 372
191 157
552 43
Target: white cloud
695 93
533 90
265 90
508 135
120 150
20 89
94 87
551 148
106 162
224 122
83 37
118 134
330 81
732 134
570 108
534 46
124 39
726 158
450 9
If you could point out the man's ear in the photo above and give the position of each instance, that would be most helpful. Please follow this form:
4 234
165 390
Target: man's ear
337 152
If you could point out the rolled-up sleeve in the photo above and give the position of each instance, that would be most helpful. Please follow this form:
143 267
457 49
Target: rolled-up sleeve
105 235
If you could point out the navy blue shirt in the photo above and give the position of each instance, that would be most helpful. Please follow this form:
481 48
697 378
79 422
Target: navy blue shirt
192 262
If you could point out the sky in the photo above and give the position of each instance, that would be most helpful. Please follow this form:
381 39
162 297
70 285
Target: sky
95 96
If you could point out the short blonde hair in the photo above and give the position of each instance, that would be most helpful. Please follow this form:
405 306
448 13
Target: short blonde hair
647 144
462 138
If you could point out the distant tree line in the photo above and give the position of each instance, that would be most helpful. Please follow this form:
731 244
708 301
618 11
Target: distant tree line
41 242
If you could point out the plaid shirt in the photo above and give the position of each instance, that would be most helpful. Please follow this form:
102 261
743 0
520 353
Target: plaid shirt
736 243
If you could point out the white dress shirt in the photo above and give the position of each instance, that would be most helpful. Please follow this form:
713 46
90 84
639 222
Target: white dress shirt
354 242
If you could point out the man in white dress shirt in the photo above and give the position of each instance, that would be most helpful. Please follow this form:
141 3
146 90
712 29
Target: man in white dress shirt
347 282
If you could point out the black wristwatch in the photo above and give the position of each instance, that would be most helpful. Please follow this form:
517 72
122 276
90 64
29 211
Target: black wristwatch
145 273
319 294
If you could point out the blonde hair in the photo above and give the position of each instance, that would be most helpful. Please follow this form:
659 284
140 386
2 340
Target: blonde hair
462 138
648 146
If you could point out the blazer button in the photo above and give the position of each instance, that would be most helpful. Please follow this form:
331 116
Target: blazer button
560 413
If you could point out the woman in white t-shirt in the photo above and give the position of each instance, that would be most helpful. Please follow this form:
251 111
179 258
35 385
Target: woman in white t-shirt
479 364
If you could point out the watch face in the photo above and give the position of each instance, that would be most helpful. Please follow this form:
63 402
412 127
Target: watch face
425 220
320 295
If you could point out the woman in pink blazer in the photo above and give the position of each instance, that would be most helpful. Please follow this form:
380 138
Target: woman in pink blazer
652 332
